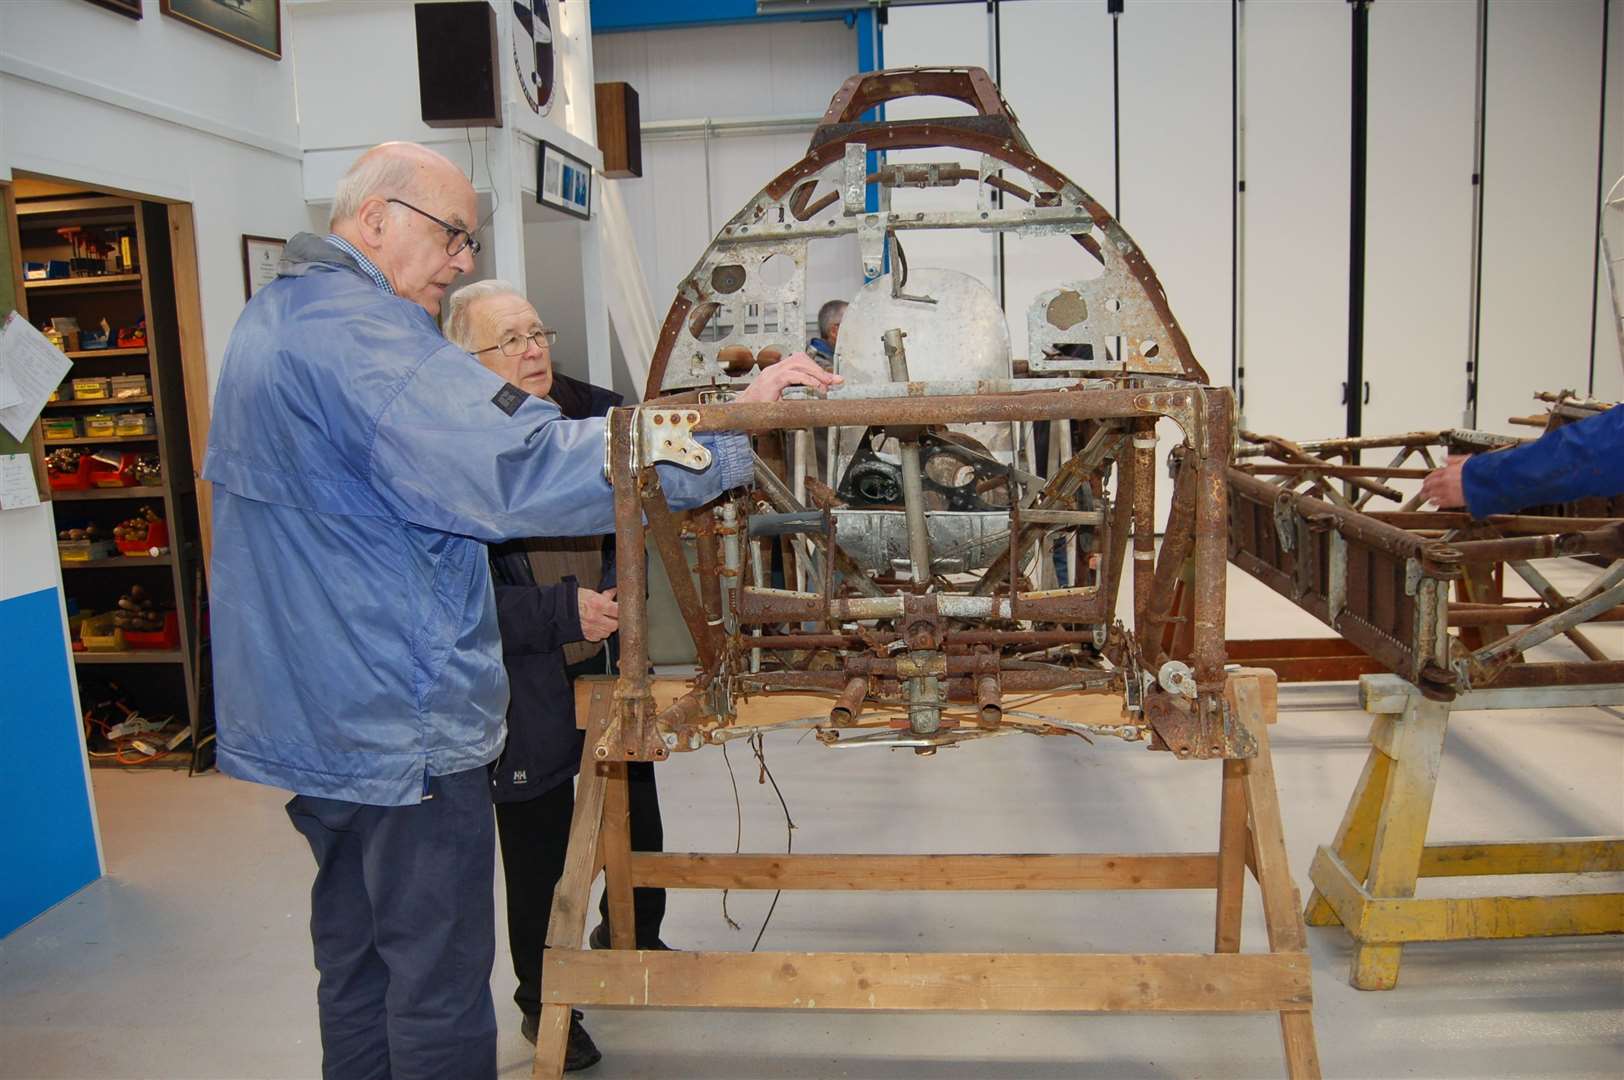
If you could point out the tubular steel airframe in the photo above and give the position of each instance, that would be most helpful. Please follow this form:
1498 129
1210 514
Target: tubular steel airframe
1395 581
914 565
921 603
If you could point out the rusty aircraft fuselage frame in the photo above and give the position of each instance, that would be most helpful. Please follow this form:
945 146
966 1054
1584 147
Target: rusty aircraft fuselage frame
1308 521
930 657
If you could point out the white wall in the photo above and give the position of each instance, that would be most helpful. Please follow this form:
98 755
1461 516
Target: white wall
1068 123
1539 199
552 252
1418 240
156 107
1297 106
772 70
1609 365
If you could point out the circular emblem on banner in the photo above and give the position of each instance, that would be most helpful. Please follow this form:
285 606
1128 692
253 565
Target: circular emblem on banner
534 58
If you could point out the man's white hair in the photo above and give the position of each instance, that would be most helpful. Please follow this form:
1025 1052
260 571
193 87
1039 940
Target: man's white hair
459 328
378 172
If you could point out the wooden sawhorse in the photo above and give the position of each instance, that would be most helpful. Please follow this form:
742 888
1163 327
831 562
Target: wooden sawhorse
1365 880
1224 980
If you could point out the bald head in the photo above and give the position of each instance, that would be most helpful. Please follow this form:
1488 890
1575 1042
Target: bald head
385 205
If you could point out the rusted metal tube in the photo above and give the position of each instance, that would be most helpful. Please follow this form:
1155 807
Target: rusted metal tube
1514 615
1604 541
1565 673
631 730
755 417
1035 638
683 711
710 577
808 641
956 664
1017 680
1144 523
1506 523
846 710
1177 541
913 477
1362 476
732 565
1211 543
989 701
951 639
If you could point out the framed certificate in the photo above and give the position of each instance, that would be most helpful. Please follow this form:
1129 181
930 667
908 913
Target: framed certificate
261 255
563 181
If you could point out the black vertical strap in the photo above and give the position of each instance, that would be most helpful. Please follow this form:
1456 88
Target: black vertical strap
1114 9
997 193
1476 341
1596 275
1356 217
1236 371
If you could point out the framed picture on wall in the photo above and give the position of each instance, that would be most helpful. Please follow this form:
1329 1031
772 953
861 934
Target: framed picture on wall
130 8
563 181
261 255
253 24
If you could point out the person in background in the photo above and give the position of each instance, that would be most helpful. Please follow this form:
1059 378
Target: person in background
1575 461
556 608
822 347
360 463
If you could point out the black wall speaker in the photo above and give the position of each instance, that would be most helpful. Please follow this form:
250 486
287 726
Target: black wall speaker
457 76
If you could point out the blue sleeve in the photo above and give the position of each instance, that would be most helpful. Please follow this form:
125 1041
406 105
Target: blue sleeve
538 618
460 451
1573 462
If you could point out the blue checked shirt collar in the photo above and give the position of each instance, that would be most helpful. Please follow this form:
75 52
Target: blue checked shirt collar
362 261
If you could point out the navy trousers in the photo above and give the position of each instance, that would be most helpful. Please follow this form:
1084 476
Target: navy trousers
535 837
403 921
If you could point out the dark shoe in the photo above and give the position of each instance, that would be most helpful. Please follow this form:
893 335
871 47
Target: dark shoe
579 1053
599 939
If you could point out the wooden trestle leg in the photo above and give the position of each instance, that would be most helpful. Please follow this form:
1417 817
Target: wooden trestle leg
1224 981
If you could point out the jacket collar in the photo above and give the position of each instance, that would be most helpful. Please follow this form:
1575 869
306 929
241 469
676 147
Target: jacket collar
307 252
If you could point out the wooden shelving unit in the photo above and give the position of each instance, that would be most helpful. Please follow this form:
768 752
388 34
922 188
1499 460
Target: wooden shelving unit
101 281
109 493
159 680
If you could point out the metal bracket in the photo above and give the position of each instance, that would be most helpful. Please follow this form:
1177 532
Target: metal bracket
1285 522
1176 678
1412 576
871 231
854 179
668 435
1336 593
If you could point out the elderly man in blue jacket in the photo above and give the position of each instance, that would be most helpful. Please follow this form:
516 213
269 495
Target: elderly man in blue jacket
360 465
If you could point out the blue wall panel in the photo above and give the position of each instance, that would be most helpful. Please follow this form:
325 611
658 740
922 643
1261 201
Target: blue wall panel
48 841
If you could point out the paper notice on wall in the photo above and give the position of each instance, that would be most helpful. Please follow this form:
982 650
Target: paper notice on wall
35 368
17 488
9 394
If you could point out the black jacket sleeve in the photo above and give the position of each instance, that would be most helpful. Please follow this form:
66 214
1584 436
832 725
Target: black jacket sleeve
537 618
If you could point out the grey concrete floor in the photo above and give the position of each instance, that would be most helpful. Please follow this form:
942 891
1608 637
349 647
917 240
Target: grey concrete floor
191 958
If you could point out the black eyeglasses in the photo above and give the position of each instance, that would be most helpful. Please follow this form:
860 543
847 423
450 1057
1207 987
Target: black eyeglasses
457 238
516 344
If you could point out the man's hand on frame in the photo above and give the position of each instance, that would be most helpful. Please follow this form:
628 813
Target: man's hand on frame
600 615
796 370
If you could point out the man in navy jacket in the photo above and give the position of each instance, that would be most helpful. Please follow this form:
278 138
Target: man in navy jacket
555 603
